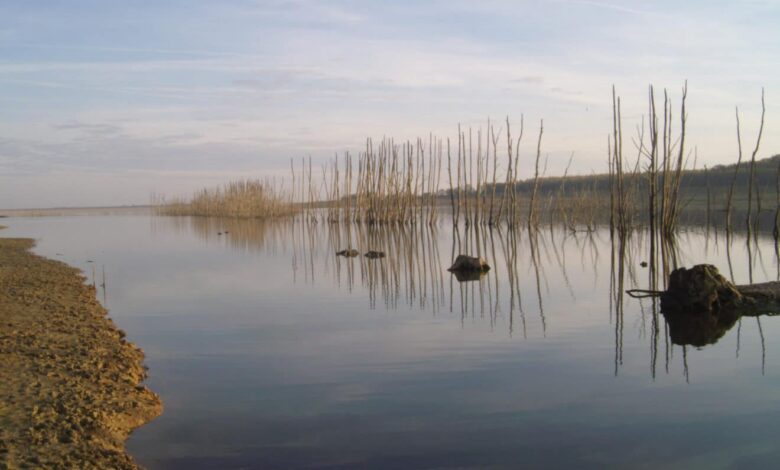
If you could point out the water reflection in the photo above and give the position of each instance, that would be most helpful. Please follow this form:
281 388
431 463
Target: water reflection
700 329
272 352
530 269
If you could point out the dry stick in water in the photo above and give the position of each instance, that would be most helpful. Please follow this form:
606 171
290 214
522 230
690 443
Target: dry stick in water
734 177
460 194
486 180
292 171
478 201
709 197
674 205
516 168
665 160
420 199
475 203
494 138
452 187
618 161
466 176
776 231
751 183
435 214
653 173
612 186
532 208
507 181
561 193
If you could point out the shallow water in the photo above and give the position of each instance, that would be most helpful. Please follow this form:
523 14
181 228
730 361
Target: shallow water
271 352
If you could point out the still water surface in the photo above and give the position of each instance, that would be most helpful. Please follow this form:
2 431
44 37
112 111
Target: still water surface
271 352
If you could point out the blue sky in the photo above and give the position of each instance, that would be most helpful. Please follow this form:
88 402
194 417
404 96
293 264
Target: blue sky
106 102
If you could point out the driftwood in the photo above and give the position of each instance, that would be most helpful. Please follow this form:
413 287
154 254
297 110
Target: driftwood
700 305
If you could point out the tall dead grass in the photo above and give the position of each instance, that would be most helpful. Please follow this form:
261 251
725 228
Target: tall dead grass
244 198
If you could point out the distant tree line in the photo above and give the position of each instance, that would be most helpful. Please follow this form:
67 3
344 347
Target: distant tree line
694 182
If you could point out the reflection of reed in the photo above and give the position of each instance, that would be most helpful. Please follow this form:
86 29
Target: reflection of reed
509 251
665 256
533 242
240 234
413 273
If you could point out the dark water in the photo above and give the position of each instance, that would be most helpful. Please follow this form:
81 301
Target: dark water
270 352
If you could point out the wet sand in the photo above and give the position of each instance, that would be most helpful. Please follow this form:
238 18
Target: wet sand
71 388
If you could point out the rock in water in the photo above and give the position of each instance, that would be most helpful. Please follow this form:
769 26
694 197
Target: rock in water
700 305
375 254
699 289
349 253
465 263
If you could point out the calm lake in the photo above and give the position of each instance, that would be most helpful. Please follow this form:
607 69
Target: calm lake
271 352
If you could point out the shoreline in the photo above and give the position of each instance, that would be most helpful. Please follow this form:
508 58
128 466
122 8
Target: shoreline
72 388
76 211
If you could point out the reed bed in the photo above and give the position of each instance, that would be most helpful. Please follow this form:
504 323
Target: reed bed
402 183
475 178
244 198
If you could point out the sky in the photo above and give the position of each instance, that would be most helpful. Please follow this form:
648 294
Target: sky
108 102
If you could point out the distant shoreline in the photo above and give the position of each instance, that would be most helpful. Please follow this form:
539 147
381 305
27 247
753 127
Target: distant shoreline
65 211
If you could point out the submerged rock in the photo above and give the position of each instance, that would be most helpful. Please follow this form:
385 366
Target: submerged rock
469 264
374 254
349 253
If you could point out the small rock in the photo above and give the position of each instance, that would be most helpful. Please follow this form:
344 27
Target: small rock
348 253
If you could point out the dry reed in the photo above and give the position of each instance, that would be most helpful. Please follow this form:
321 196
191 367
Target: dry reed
243 198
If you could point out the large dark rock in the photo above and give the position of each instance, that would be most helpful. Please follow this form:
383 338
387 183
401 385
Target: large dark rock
700 305
699 289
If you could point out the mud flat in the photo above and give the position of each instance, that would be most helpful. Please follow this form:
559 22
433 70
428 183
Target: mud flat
70 387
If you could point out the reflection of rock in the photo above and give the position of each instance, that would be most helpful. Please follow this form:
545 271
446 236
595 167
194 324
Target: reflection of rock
700 328
349 253
466 276
375 254
469 264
